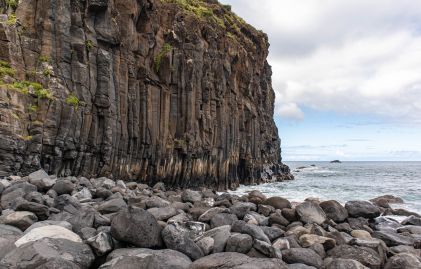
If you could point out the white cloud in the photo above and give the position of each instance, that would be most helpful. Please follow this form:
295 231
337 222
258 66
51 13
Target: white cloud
355 57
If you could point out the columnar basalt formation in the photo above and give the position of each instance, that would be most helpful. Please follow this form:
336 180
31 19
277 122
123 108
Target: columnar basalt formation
147 90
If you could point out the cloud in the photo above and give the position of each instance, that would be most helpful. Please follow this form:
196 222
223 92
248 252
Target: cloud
290 111
351 57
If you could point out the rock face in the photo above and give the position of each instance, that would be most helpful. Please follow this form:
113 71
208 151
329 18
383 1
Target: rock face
148 90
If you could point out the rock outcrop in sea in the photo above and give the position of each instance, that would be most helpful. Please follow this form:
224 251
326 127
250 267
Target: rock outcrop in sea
80 223
146 90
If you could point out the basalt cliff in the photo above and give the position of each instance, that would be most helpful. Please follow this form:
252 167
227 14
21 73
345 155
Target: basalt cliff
177 91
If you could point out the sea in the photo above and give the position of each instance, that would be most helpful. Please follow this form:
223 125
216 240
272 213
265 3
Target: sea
348 181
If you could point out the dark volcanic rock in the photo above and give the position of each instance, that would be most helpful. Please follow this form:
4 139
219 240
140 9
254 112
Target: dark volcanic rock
278 202
364 255
240 243
310 212
362 209
334 210
302 255
137 227
403 261
140 90
39 252
177 238
232 260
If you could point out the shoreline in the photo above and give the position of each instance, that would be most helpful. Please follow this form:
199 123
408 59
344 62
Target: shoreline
100 223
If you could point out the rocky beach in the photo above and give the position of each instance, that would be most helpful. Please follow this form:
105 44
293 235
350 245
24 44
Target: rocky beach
50 222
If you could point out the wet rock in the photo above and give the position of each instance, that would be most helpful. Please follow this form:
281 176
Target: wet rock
256 197
362 209
39 252
410 229
364 255
389 199
403 261
310 212
19 219
141 258
222 219
230 260
50 231
278 202
241 243
334 211
178 238
101 243
302 255
137 227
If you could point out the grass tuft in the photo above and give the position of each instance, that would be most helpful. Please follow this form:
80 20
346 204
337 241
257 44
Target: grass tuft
73 100
158 59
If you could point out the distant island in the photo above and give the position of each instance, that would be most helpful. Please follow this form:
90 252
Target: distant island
336 161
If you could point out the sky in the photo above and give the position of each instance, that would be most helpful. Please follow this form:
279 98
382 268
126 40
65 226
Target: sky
347 76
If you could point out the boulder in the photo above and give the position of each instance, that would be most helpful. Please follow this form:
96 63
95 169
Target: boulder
50 231
10 232
241 243
265 210
137 227
37 253
156 201
267 249
206 245
334 211
302 255
102 243
412 220
58 263
308 240
390 199
142 258
278 202
403 261
163 213
222 219
344 264
64 186
220 236
253 230
15 191
272 232
6 246
310 212
19 219
231 260
41 211
176 237
393 239
364 255
362 209
278 218
41 179
281 244
191 196
240 209
208 214
361 234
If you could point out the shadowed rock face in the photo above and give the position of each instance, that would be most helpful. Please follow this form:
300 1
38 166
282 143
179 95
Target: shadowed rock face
140 90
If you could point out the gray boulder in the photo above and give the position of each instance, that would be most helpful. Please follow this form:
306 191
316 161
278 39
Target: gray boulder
137 227
163 213
15 191
334 211
102 243
142 258
412 220
39 252
178 238
41 179
220 236
278 202
9 232
403 261
393 239
253 230
191 196
64 186
241 243
310 212
222 219
364 255
302 255
232 260
19 219
112 206
343 264
362 209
